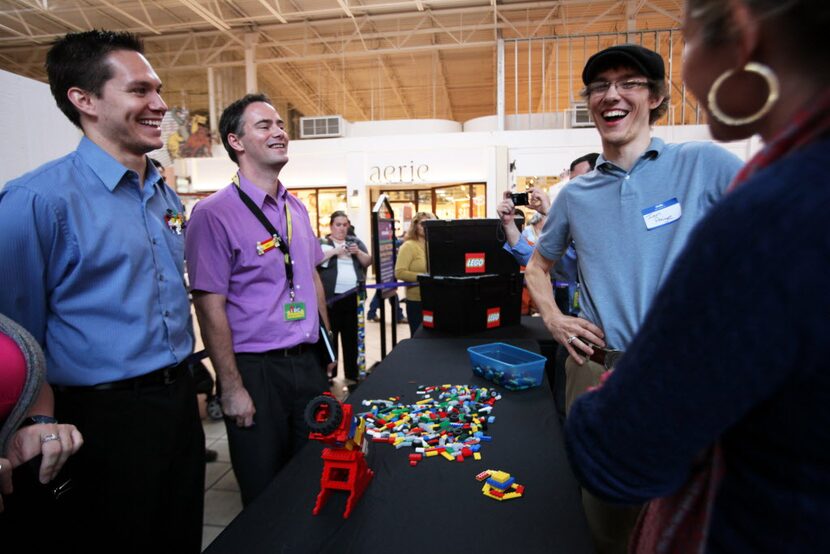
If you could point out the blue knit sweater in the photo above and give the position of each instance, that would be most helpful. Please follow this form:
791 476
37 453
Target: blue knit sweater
736 348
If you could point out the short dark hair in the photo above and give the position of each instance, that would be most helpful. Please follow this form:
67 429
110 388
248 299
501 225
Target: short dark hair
590 158
231 120
80 60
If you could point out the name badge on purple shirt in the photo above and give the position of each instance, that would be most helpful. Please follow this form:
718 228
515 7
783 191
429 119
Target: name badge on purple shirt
294 311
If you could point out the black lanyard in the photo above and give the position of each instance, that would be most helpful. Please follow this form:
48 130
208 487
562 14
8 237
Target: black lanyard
281 244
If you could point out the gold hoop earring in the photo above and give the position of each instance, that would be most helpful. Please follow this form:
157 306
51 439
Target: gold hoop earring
752 67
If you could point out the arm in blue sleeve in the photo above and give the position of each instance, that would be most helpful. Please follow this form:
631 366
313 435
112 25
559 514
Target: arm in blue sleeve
30 230
521 251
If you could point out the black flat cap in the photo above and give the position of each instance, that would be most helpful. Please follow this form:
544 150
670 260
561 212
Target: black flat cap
647 61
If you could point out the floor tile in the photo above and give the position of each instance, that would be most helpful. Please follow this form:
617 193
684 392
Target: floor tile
221 507
210 532
214 471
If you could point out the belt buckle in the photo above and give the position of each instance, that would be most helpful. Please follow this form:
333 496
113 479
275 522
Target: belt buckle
168 377
611 356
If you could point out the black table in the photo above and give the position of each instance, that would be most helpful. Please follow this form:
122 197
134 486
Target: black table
436 506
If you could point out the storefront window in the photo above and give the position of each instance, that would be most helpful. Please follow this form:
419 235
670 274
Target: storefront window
320 204
329 201
449 202
424 200
309 198
457 202
479 201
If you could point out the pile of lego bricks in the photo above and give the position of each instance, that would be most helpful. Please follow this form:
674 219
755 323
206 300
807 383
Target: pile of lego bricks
450 421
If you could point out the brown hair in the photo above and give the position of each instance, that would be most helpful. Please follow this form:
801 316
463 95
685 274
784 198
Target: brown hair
411 233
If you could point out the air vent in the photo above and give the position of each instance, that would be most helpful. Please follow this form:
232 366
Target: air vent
325 126
580 116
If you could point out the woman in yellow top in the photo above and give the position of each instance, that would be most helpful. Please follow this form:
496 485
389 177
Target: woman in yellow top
412 260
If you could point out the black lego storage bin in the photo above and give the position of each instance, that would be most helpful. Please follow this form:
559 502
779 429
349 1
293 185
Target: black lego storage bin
461 305
465 247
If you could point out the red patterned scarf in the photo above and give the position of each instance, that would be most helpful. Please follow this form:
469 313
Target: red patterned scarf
679 524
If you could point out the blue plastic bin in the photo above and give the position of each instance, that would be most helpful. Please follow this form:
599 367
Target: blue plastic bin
511 367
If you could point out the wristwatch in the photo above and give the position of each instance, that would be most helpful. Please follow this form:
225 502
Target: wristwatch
37 419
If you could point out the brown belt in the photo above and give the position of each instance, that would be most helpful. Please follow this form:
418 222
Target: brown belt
605 357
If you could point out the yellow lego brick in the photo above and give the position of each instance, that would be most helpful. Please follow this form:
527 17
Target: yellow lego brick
476 456
431 453
445 454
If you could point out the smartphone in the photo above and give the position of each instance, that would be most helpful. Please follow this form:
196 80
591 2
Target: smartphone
519 198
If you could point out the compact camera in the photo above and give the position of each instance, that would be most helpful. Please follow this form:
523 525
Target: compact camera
519 198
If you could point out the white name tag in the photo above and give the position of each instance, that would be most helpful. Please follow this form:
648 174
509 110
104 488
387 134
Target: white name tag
662 214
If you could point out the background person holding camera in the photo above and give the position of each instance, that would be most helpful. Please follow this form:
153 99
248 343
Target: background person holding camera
345 259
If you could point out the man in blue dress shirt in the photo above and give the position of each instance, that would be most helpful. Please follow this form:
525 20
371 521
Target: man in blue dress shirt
93 246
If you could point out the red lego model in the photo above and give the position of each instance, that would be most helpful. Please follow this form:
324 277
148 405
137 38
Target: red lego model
344 464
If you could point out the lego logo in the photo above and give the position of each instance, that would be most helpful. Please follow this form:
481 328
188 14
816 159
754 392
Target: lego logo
428 320
493 317
474 262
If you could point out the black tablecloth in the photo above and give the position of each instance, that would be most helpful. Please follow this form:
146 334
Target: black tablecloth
436 506
531 327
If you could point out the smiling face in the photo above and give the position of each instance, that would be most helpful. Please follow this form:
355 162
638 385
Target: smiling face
622 116
339 228
263 141
126 117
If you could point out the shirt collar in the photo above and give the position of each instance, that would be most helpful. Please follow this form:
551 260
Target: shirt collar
108 169
655 148
257 194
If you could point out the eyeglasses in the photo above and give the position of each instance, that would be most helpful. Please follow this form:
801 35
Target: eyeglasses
600 88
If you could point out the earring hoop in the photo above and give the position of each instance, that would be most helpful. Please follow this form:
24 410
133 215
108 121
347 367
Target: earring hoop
752 67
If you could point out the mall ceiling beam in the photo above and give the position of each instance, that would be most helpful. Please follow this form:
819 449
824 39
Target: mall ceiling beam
676 17
439 62
168 35
143 24
46 14
348 90
265 22
343 83
608 10
273 11
396 87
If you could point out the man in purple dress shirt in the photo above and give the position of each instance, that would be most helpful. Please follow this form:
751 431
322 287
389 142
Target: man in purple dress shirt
258 301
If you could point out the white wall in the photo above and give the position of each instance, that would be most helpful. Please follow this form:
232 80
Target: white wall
36 131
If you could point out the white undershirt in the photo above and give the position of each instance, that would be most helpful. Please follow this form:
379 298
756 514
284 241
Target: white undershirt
346 276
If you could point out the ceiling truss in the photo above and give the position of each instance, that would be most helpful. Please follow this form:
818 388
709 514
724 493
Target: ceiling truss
363 59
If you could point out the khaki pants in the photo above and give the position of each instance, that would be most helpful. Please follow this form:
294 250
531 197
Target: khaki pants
611 524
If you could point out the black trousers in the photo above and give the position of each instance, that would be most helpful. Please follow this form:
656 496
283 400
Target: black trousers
140 475
280 387
343 320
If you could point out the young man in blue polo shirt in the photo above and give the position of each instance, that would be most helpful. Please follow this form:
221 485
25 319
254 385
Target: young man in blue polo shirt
629 219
